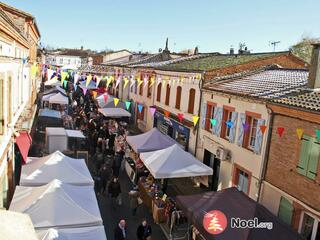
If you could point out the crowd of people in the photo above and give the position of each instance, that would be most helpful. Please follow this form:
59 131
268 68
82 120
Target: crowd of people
106 145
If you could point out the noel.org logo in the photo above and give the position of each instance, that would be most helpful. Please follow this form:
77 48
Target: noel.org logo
215 222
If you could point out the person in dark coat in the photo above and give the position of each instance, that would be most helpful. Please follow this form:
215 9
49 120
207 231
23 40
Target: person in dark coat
134 203
105 174
114 190
144 231
120 231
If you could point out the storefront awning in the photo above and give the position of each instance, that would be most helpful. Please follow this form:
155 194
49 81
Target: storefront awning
114 112
174 162
23 142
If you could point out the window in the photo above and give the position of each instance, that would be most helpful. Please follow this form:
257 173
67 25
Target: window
167 95
159 92
178 97
241 179
226 117
285 211
192 94
149 93
310 229
309 157
250 133
209 116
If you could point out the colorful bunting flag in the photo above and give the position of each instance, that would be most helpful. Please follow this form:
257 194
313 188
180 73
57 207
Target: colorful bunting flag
280 131
105 98
75 78
213 121
132 82
318 134
180 116
108 81
152 110
139 82
229 124
118 81
126 81
84 91
98 79
128 105
116 101
65 82
166 113
246 126
299 133
94 94
64 75
152 81
140 107
145 80
34 70
195 120
263 128
89 78
75 86
163 83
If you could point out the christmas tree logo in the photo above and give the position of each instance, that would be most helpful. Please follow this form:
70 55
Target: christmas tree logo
215 222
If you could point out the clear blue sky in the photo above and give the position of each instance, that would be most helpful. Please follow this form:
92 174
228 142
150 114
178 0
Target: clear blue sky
143 25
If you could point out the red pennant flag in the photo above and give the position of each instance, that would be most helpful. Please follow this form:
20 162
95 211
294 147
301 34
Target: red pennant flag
180 116
280 131
105 97
167 114
263 128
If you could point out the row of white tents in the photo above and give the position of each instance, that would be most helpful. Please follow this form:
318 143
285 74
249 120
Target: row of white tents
56 191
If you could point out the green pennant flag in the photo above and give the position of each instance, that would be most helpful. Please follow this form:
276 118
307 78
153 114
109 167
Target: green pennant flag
128 105
65 82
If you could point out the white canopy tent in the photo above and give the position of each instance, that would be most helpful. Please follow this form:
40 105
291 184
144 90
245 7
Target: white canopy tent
174 162
85 233
58 205
42 170
49 113
114 112
59 99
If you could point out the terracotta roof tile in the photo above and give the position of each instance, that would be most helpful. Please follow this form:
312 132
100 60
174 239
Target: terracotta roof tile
307 100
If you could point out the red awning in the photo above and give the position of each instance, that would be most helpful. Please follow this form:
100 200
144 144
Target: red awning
23 142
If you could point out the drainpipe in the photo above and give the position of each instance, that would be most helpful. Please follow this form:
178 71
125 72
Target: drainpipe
201 82
266 155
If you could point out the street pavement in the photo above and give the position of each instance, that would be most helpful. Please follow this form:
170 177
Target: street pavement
113 213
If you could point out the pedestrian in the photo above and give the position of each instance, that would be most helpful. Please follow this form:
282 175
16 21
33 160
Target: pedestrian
120 231
144 231
97 184
134 203
114 190
105 174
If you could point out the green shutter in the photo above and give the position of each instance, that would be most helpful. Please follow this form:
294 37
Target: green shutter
314 152
304 155
285 211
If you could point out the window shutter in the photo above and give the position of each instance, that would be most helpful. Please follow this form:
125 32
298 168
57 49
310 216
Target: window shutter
304 152
259 136
234 118
285 211
203 115
219 121
314 152
242 121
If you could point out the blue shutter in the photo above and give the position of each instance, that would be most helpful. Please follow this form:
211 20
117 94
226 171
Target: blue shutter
218 117
259 137
203 115
241 129
234 118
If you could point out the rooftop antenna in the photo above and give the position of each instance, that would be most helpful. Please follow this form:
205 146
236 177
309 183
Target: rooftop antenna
274 44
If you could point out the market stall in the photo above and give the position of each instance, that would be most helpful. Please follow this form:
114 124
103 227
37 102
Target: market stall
84 233
56 101
90 86
58 204
114 112
41 170
234 204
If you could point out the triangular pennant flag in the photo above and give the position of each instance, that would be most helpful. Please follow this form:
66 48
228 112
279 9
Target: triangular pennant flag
89 78
299 133
280 131
145 80
75 78
139 82
105 98
128 105
181 79
111 78
140 107
94 94
263 128
98 79
152 110
163 83
180 116
195 120
318 134
152 81
116 101
169 82
109 81
213 121
84 91
118 81
34 70
229 124
245 126
55 78
75 86
126 81
132 82
65 82
64 76
167 113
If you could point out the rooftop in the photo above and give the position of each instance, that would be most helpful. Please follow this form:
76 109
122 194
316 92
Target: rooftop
308 100
267 83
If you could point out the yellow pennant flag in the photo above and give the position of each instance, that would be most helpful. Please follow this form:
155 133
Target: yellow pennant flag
152 80
64 76
34 70
111 78
116 101
94 94
163 82
109 81
299 133
55 78
126 81
89 78
181 79
195 120
139 82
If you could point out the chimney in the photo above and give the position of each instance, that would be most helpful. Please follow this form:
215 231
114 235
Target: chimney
231 51
314 71
81 48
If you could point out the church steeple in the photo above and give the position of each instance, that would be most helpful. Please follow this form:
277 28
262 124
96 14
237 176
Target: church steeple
166 48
